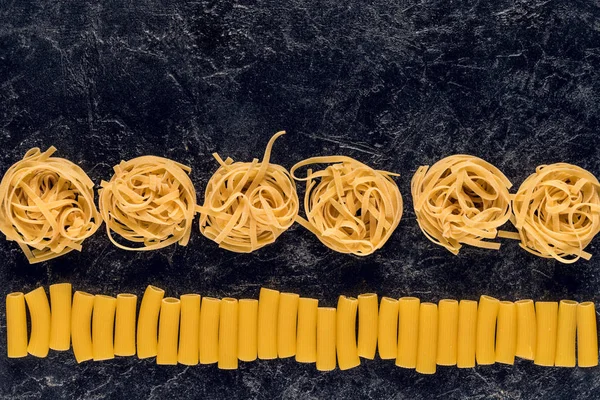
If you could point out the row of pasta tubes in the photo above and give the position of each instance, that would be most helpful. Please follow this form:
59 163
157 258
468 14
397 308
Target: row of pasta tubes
191 330
47 205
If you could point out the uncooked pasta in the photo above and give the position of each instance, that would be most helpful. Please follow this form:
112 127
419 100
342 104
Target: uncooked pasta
461 199
150 201
47 205
247 205
349 206
557 212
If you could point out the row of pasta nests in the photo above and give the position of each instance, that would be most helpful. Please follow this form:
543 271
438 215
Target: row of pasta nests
192 330
47 205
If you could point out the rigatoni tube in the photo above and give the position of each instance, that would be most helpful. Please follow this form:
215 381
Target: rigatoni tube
467 334
228 334
587 335
268 310
387 331
487 314
81 323
208 346
247 329
326 338
526 329
39 311
125 315
306 342
16 325
367 325
103 323
347 352
447 332
408 331
427 342
147 329
566 331
546 315
61 295
506 333
168 331
286 324
189 328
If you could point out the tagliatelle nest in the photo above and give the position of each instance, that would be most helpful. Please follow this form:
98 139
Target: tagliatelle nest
247 205
349 206
47 205
557 212
149 200
461 199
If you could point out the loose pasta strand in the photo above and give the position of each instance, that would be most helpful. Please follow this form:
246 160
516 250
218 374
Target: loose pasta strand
247 205
349 206
47 205
459 200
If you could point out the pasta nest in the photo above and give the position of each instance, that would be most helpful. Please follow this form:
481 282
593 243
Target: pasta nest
47 205
349 206
247 205
149 200
461 199
557 212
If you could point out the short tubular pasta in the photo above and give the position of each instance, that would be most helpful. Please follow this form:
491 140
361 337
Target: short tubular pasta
149 200
461 199
349 206
47 205
247 205
557 212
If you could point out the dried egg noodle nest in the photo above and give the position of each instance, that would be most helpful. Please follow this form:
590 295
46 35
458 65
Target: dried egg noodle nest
349 206
47 205
557 212
247 205
461 199
149 200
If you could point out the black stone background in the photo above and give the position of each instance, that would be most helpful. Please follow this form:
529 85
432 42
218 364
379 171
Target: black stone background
395 84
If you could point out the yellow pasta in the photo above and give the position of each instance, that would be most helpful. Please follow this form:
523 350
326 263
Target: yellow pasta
367 325
228 334
103 323
16 325
125 324
546 313
286 324
487 314
147 328
408 331
467 334
248 329
347 353
349 206
39 310
60 316
587 335
247 205
81 323
208 347
326 338
557 212
427 342
306 342
149 201
47 205
566 329
526 329
447 332
189 329
461 199
387 332
168 331
268 310
506 333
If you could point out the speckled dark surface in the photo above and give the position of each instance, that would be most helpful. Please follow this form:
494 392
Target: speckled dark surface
393 84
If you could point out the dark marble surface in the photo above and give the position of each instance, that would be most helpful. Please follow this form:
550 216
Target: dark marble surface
395 84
